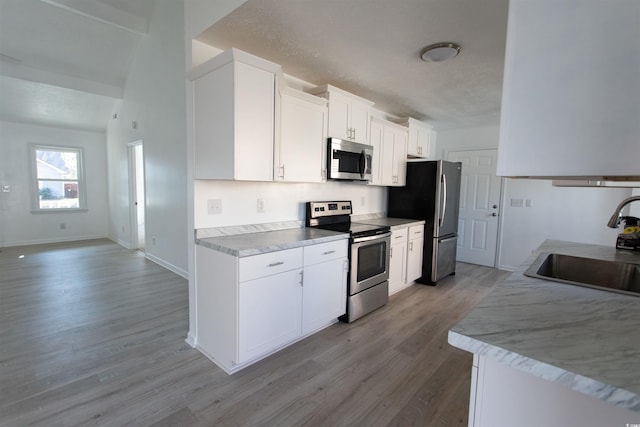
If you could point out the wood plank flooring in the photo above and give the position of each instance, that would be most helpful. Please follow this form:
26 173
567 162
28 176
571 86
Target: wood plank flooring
93 334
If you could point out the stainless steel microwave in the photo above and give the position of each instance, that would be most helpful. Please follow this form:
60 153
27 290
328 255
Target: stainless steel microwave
349 160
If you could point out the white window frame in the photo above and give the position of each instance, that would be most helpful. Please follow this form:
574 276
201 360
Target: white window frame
35 192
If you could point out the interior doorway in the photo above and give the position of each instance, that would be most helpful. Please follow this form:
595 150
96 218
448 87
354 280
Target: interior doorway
480 195
137 196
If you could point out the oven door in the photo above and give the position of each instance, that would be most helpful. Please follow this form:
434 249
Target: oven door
369 262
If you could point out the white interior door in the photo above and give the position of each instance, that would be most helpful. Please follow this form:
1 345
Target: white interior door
479 206
137 199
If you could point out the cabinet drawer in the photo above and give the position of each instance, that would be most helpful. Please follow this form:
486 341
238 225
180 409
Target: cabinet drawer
263 265
416 231
315 254
399 234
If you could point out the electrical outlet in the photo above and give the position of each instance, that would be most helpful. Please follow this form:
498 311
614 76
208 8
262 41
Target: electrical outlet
260 206
214 206
527 203
363 201
6 189
153 240
517 203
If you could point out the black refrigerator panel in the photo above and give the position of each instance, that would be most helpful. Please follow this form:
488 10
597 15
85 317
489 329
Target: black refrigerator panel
417 199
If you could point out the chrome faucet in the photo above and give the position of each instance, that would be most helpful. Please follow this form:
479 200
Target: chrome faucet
614 221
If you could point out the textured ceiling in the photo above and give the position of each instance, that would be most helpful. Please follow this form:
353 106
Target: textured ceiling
371 48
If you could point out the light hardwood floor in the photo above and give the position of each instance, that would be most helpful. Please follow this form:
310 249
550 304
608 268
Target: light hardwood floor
93 334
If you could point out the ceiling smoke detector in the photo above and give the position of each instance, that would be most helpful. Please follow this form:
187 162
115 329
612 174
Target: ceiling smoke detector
439 52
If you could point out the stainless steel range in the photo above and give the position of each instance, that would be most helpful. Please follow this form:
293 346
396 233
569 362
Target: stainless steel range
368 287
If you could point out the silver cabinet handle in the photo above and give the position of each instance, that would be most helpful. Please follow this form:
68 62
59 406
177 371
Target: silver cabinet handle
328 252
301 278
410 246
274 264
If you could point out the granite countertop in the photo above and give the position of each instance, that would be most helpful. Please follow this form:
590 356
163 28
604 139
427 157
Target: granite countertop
393 223
248 244
586 339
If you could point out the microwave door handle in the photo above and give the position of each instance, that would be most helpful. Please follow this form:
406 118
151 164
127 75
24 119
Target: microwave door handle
363 163
444 197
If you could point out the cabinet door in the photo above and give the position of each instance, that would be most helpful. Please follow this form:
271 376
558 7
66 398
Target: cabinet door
397 263
419 141
254 121
339 117
423 142
376 135
269 313
302 140
415 247
387 157
324 295
414 259
399 165
359 122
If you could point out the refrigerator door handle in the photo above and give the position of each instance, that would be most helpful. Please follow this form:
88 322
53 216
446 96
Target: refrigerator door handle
447 239
443 179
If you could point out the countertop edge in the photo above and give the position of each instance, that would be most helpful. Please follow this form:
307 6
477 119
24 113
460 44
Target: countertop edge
576 382
241 253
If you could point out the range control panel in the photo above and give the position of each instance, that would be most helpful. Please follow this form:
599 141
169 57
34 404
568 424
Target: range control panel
324 209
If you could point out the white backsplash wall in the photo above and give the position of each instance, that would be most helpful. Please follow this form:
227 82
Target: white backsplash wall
282 201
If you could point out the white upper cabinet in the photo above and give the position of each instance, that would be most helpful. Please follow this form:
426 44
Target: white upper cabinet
300 150
389 142
348 114
419 142
234 112
571 91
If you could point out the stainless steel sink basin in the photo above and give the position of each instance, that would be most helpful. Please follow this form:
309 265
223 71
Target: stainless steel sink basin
594 273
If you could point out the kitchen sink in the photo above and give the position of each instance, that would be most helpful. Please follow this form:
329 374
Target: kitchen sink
612 276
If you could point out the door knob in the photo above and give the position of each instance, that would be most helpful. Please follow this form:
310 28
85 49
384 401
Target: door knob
494 214
495 206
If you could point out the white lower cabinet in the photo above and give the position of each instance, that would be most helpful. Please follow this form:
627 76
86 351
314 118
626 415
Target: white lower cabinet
398 260
269 313
405 263
414 252
250 307
324 294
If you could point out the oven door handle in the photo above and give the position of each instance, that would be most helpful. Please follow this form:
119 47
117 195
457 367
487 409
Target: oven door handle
369 238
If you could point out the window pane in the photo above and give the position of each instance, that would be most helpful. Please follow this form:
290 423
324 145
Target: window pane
58 194
57 164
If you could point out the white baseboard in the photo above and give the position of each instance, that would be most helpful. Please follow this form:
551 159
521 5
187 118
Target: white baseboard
179 271
122 243
507 268
53 240
191 340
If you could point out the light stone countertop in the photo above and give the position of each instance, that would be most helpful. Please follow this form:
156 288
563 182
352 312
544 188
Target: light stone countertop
586 339
393 223
248 244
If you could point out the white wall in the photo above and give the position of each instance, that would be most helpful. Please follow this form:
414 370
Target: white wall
562 213
18 225
154 98
282 201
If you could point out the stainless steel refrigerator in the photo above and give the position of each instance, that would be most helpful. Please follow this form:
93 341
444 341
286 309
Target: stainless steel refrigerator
432 193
